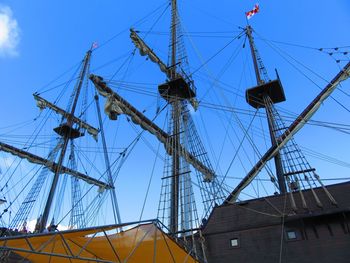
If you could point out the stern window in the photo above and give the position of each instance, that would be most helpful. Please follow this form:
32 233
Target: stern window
291 235
234 242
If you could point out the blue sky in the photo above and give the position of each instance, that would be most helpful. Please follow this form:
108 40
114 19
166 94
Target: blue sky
49 37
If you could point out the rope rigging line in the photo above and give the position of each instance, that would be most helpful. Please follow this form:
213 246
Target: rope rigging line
245 131
65 84
43 145
147 32
227 130
268 169
149 182
221 73
131 145
281 52
282 228
202 65
203 34
216 159
331 51
27 205
264 198
237 150
239 122
36 131
204 77
134 126
15 127
99 199
140 21
308 47
92 163
218 52
120 157
41 91
146 142
268 180
337 126
147 94
264 136
251 142
291 116
127 61
196 7
112 61
10 205
250 139
342 91
243 207
12 190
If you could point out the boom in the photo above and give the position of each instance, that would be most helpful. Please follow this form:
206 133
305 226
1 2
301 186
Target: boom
52 165
117 105
42 104
145 50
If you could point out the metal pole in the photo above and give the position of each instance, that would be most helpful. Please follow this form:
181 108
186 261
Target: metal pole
116 212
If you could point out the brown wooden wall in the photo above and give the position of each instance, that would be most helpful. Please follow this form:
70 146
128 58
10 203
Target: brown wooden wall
322 234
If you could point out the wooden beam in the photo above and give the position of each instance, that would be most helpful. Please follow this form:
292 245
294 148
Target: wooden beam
51 165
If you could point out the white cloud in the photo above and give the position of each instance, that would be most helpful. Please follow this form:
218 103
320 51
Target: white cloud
31 226
9 32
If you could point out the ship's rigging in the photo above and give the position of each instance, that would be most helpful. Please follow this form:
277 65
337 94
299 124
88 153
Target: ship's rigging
185 152
71 127
175 44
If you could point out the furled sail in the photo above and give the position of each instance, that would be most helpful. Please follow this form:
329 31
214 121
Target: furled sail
51 165
42 104
145 50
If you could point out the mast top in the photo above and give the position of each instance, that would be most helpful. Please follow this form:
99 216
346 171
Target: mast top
265 87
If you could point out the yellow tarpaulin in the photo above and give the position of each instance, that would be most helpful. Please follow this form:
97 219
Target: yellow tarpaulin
144 243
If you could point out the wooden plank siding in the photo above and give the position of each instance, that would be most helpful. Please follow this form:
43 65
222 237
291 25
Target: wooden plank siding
321 234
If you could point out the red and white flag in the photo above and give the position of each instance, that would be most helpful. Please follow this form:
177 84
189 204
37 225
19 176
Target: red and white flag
94 45
250 13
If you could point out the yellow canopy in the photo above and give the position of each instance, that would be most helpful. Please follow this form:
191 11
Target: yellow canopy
144 243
